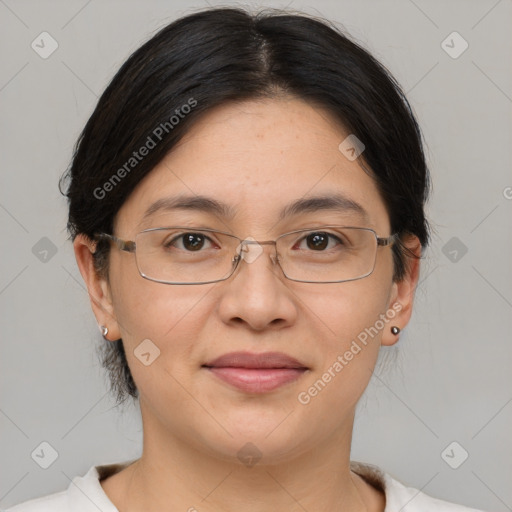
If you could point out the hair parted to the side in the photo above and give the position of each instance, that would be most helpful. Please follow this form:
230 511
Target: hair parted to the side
227 54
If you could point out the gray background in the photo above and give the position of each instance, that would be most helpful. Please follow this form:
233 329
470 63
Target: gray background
450 377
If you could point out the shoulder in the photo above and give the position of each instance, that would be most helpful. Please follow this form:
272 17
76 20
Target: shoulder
52 503
401 497
84 494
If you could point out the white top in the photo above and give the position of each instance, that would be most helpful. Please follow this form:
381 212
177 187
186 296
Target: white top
85 494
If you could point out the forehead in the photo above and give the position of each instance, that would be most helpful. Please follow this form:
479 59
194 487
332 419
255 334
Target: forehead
258 158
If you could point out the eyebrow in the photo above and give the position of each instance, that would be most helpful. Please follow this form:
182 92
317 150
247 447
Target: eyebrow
213 206
185 202
323 202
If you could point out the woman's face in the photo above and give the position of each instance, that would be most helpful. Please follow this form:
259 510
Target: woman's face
256 158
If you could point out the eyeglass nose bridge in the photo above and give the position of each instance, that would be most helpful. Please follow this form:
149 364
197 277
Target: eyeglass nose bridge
244 253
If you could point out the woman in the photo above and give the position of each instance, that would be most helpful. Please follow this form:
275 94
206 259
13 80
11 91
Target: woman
247 209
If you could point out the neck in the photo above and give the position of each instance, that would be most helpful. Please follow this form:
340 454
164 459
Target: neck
174 474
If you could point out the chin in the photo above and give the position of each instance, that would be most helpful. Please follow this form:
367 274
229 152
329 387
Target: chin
253 439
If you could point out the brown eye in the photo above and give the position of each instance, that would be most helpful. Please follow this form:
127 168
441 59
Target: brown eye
193 241
189 242
317 241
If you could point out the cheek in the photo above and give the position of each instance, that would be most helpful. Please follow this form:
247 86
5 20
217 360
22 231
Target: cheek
351 318
169 317
345 310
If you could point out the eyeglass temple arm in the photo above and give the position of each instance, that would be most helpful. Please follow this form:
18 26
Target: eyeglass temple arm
124 245
387 241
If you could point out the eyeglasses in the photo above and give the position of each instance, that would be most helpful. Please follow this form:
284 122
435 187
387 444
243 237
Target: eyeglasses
185 255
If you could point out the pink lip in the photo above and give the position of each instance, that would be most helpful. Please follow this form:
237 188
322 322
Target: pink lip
257 380
248 360
256 373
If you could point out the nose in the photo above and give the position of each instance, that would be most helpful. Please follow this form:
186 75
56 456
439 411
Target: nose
257 294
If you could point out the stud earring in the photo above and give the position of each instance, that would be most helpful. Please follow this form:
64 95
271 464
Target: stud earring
395 330
104 330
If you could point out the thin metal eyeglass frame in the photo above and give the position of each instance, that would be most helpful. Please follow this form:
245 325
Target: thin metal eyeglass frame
131 246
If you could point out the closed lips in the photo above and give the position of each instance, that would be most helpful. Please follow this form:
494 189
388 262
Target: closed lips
256 373
248 360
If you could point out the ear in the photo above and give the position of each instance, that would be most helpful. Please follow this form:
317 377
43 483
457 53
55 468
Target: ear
402 292
98 287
